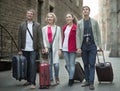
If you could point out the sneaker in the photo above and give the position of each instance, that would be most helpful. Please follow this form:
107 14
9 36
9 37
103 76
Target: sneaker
51 82
85 84
57 80
26 84
33 86
91 87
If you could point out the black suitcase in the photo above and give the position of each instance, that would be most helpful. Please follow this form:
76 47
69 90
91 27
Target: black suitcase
19 67
104 70
79 72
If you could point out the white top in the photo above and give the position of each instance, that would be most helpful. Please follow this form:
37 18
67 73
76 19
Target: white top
29 41
65 42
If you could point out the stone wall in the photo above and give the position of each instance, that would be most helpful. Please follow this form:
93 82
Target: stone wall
118 13
65 6
110 24
13 12
61 8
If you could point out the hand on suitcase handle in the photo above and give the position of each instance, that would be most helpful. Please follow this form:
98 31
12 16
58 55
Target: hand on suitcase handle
20 53
100 50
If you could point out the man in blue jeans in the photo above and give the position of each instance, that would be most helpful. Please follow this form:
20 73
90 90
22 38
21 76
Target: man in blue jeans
88 39
29 42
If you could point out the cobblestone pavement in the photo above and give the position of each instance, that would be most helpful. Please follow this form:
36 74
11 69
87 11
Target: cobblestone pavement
7 83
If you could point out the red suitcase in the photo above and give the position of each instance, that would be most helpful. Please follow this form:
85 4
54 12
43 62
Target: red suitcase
44 76
104 70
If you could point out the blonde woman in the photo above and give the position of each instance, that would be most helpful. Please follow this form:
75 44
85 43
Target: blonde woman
53 45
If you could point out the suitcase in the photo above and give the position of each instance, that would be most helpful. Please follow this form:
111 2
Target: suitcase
44 76
104 70
43 57
79 72
19 67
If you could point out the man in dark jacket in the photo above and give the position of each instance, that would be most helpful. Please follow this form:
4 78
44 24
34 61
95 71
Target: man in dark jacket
29 42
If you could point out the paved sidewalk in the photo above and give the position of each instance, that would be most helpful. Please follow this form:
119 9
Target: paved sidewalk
7 83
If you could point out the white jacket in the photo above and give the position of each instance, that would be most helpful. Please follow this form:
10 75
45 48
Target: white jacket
57 43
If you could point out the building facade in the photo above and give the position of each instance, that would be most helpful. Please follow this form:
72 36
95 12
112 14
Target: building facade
110 25
13 12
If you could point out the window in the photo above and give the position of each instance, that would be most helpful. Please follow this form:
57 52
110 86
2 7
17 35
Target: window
51 8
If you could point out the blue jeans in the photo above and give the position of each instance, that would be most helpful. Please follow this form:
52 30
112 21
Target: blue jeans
31 66
70 62
55 65
89 59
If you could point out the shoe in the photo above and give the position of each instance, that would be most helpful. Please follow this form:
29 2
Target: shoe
91 87
26 84
51 82
33 86
85 84
57 80
71 81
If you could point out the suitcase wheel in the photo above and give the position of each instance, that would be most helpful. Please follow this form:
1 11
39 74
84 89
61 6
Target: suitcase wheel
47 87
101 82
44 87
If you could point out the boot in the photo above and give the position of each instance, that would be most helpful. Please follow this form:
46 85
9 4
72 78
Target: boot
71 81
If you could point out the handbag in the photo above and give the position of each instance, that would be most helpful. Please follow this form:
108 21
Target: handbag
37 52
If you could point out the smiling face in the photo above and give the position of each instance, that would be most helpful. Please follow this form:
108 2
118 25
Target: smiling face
30 15
50 19
69 18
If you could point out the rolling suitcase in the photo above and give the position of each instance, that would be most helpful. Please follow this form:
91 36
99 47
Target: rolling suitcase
19 67
44 75
104 70
79 72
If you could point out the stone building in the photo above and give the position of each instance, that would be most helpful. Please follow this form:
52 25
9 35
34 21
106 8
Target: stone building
110 25
13 12
103 22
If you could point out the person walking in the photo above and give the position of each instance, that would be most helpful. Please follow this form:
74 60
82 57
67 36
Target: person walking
29 43
53 44
88 40
69 45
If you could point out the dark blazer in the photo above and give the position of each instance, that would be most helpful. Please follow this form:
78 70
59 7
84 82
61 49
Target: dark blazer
37 36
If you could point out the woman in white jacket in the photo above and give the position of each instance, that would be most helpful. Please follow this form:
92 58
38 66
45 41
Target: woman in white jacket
52 40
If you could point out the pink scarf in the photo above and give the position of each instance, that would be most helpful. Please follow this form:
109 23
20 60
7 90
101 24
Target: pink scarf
49 32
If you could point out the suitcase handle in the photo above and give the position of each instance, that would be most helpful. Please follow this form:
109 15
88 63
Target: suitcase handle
44 57
102 55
